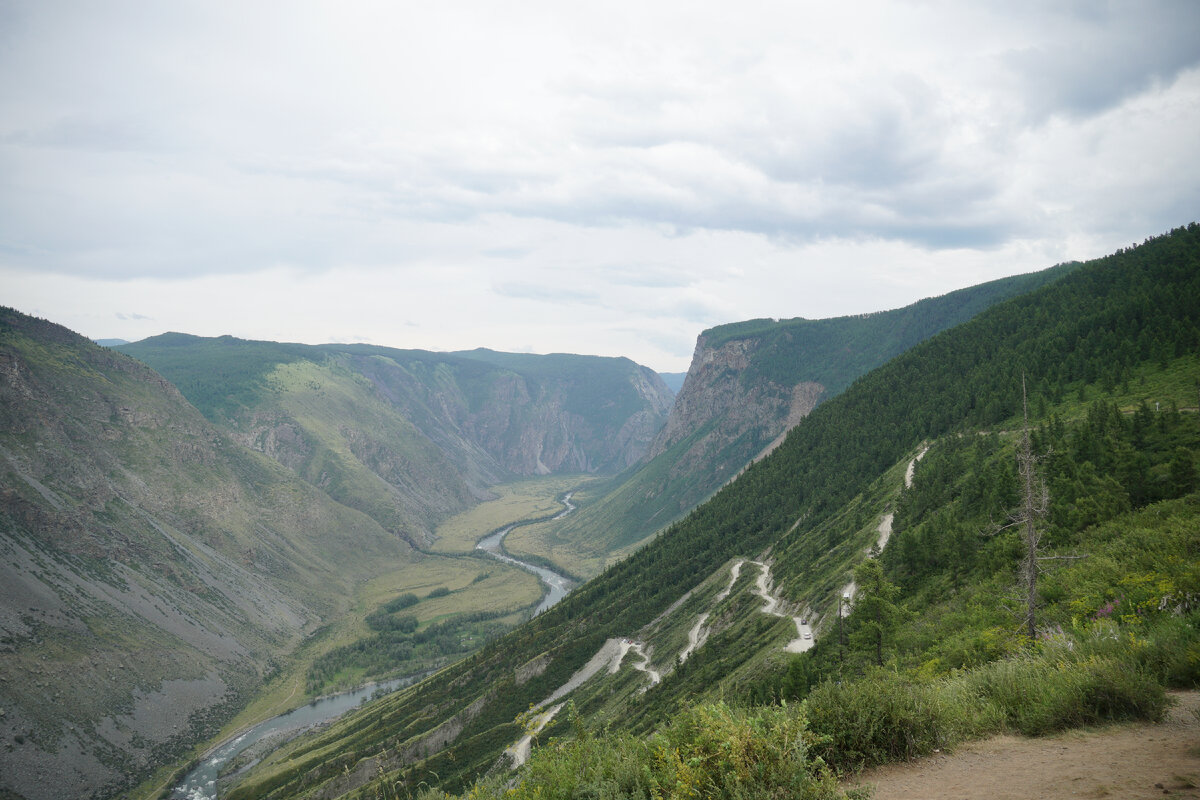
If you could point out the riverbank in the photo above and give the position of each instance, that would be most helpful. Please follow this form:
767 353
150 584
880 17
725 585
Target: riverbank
557 585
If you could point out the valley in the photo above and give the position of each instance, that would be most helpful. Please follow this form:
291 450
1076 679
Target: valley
466 596
931 607
259 525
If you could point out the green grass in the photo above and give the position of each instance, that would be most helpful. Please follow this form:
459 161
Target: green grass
1095 677
514 502
711 751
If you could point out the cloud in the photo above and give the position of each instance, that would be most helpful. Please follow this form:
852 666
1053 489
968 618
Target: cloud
611 160
121 316
559 293
1100 55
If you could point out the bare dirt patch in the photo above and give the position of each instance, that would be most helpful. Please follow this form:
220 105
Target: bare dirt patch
1133 760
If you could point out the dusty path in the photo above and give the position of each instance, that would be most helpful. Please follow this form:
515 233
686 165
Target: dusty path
1135 760
698 635
912 467
884 530
643 666
610 655
771 605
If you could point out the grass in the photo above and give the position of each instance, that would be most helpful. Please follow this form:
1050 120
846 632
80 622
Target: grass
527 499
1061 684
711 751
542 540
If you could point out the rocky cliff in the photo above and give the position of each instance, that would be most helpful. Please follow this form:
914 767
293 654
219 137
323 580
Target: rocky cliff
751 382
150 567
720 405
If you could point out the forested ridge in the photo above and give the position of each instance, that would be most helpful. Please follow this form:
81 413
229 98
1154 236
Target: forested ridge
824 355
833 352
1104 330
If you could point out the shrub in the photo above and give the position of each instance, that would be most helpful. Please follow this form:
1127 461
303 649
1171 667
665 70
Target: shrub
711 751
884 717
1060 688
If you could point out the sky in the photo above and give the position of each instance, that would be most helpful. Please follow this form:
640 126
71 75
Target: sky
605 178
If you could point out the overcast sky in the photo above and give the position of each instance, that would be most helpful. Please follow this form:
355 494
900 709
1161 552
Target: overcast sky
607 178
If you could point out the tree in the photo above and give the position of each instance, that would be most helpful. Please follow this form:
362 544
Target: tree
1035 502
875 611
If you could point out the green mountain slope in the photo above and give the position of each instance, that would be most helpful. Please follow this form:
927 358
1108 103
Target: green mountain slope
410 437
153 568
1118 328
749 383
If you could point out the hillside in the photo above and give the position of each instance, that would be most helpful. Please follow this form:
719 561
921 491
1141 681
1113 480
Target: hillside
748 384
154 570
410 437
1109 354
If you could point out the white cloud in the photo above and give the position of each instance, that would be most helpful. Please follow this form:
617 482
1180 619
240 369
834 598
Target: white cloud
552 177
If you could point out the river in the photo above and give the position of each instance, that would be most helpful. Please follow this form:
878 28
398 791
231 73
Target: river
201 782
558 585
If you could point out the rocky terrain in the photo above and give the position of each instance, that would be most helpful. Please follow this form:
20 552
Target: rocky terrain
160 556
151 568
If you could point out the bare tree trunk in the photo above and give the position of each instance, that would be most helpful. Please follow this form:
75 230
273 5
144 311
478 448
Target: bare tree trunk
1033 506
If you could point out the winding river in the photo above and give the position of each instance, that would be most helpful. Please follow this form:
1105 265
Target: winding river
201 782
558 585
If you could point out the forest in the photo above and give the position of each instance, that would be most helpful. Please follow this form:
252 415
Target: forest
1121 478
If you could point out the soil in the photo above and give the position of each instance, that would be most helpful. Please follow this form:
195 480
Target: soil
1131 760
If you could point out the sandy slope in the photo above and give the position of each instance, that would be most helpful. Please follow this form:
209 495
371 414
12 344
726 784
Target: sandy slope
1120 761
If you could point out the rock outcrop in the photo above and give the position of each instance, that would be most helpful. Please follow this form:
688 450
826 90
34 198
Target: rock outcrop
718 400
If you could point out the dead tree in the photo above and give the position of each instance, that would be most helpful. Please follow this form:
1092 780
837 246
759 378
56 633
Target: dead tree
1035 502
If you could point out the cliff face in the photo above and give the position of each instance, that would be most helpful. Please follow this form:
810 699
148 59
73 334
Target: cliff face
564 413
717 406
149 565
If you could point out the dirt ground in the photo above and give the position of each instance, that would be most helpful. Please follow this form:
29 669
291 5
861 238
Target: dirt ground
1120 761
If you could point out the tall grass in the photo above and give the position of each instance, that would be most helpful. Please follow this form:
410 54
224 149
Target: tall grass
887 717
710 751
1101 676
1039 696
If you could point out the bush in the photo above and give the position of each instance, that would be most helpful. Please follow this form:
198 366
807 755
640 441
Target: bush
1060 688
884 717
404 601
711 751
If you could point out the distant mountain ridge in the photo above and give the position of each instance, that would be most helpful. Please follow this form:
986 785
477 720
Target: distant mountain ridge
411 436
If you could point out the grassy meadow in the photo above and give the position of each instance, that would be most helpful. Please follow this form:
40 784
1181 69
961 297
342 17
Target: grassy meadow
514 502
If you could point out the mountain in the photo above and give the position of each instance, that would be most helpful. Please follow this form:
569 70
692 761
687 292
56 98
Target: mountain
921 449
408 436
673 380
154 570
748 385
